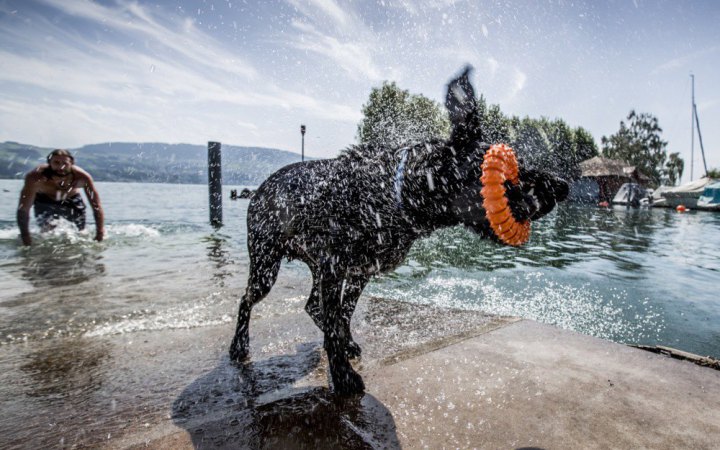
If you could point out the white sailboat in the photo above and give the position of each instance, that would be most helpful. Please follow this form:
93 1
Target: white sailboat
688 194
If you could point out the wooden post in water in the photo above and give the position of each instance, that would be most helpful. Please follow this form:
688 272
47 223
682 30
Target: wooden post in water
215 183
302 132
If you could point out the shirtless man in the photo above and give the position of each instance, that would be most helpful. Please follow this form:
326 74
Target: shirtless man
54 190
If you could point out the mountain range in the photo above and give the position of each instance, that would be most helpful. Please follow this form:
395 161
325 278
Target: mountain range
153 162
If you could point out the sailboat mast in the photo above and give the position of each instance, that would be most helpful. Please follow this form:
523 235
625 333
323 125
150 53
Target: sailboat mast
702 148
692 128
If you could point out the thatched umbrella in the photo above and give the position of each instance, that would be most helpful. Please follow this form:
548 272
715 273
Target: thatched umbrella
610 174
603 167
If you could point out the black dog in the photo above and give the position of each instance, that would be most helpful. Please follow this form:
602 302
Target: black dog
357 215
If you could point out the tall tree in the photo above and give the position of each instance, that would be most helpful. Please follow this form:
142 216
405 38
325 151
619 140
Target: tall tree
393 117
531 143
639 143
674 168
552 145
495 126
585 146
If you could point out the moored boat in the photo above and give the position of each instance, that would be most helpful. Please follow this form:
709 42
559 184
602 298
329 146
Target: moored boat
632 194
686 195
710 198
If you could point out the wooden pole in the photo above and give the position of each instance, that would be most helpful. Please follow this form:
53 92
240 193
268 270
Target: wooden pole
215 183
302 132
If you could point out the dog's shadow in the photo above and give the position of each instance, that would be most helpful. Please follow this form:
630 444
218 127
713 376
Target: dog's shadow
254 405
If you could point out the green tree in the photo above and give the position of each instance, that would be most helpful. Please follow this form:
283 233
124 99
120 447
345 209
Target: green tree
674 168
530 142
585 146
639 143
552 145
713 173
495 125
393 117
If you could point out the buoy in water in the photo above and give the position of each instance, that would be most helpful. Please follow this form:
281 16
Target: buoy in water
681 208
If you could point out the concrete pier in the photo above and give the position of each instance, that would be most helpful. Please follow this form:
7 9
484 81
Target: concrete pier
481 382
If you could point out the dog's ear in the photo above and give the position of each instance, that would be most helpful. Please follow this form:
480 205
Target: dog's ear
460 100
462 107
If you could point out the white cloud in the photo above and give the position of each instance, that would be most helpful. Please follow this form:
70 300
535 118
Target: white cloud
519 79
354 57
179 37
493 65
332 10
83 89
683 61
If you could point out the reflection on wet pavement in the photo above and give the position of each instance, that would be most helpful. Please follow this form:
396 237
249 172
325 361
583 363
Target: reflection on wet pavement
254 405
65 368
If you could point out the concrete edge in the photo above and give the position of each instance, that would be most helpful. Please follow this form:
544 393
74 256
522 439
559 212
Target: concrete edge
438 344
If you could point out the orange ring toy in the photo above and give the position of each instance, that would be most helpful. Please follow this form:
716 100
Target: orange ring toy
498 166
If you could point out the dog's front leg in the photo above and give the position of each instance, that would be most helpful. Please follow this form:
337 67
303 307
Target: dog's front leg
345 380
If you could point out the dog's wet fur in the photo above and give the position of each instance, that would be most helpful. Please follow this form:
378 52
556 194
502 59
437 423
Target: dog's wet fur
357 215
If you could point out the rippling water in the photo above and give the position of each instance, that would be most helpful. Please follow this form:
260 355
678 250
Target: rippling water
73 312
633 276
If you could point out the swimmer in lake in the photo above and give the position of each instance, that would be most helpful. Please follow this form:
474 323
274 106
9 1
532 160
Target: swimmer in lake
53 189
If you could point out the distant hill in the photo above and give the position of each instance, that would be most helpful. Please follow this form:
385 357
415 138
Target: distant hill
153 162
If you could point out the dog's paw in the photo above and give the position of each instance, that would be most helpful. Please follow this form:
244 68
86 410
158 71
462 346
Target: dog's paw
238 354
353 350
348 383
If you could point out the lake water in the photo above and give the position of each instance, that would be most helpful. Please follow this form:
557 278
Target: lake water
632 276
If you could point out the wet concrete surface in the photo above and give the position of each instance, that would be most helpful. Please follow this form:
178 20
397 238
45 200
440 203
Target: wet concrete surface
529 385
519 384
139 388
436 378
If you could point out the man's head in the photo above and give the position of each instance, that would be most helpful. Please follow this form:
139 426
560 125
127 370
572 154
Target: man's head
60 161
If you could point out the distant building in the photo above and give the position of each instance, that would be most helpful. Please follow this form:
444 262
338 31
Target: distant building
602 177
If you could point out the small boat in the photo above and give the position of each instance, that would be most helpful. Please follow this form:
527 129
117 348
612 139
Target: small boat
631 194
687 194
710 198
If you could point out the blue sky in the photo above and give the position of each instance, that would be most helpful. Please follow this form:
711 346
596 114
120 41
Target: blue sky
249 73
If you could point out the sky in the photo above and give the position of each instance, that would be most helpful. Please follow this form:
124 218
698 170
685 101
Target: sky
249 73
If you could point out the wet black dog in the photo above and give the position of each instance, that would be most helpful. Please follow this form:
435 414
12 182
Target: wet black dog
357 215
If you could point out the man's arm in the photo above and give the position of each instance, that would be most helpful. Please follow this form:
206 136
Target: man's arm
27 197
94 199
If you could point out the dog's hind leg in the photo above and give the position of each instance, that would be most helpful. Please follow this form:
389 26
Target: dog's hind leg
337 338
350 292
263 273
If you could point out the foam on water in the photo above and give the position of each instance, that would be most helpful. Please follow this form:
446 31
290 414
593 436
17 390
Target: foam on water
132 230
606 313
8 234
65 233
196 315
